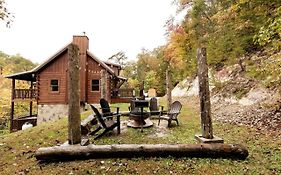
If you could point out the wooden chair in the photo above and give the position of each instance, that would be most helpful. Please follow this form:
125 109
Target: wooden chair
105 108
172 114
106 125
153 107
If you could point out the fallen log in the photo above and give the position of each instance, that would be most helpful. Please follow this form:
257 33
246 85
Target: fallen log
74 152
87 124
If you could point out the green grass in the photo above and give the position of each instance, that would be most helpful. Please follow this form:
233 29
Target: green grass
17 150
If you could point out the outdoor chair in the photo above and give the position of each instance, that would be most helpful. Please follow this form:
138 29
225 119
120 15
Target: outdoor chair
153 107
105 108
171 114
105 125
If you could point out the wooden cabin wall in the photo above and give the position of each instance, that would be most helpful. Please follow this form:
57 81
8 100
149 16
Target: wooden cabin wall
58 70
94 73
55 70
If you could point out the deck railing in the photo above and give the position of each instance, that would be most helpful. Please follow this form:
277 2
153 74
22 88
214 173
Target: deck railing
25 93
123 93
126 92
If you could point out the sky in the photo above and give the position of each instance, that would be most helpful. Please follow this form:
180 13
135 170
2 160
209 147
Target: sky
42 27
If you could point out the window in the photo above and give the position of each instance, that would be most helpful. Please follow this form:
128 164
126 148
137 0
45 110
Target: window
55 85
95 85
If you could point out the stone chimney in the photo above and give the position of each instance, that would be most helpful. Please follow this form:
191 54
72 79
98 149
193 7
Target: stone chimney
82 42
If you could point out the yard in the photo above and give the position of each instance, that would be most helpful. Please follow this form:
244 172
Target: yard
17 149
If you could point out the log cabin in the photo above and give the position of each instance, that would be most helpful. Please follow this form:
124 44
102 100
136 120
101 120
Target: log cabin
48 85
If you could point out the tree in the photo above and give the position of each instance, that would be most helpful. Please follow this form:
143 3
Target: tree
226 28
5 15
119 58
129 70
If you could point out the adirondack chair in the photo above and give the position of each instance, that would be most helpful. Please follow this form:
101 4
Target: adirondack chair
106 125
153 107
172 114
105 108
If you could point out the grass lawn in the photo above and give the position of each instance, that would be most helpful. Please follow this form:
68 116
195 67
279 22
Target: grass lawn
17 150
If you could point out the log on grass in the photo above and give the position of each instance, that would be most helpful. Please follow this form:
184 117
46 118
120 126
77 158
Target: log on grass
73 152
87 124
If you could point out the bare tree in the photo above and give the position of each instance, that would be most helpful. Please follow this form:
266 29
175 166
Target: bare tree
5 15
119 58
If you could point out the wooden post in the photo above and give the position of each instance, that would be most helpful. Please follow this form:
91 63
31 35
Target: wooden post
142 90
12 105
204 94
168 89
103 84
31 96
74 120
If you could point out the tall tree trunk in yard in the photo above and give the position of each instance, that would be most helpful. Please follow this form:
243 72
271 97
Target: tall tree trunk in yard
74 120
204 94
168 88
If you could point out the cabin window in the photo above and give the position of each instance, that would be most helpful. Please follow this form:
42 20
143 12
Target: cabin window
54 85
95 85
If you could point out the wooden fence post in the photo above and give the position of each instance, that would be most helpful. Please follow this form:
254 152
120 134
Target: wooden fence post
204 94
74 120
168 89
205 104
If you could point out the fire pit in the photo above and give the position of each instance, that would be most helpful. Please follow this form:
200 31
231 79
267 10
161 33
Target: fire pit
138 117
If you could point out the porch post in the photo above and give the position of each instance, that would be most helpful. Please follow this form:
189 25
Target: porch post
12 104
31 95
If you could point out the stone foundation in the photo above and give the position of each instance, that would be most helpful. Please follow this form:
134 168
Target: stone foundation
51 112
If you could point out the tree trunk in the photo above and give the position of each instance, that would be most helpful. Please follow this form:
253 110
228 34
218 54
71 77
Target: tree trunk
168 89
204 94
74 120
143 150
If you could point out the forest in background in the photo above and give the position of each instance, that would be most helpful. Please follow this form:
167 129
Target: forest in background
231 30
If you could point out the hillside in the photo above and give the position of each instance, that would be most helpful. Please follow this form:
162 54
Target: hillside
249 97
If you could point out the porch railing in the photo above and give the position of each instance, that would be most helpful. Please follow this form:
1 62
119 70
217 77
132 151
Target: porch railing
123 93
25 94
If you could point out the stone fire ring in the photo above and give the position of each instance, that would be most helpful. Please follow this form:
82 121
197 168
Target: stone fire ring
137 123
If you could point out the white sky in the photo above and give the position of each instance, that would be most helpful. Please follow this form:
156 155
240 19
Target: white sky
42 27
